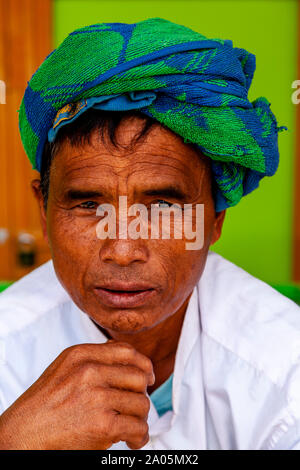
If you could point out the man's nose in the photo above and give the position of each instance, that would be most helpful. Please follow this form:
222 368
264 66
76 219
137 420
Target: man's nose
124 252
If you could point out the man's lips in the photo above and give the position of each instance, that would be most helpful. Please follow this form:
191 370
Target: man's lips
124 295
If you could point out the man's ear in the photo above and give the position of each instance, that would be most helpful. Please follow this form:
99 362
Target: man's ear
37 192
218 224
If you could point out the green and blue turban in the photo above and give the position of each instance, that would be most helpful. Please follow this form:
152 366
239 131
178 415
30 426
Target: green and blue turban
195 86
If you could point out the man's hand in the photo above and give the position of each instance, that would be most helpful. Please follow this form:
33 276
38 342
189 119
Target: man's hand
90 397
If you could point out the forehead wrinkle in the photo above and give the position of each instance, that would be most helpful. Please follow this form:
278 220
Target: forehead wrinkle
178 164
121 176
154 169
169 149
68 172
190 186
186 169
156 150
161 161
128 166
83 159
186 159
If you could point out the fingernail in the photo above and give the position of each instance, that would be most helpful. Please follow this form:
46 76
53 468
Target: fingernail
152 378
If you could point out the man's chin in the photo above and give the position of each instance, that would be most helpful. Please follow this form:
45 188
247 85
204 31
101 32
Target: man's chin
125 321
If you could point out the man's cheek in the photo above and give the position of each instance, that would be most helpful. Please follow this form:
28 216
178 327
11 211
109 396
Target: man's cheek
192 263
170 255
72 233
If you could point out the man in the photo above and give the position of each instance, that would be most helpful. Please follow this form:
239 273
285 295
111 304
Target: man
139 341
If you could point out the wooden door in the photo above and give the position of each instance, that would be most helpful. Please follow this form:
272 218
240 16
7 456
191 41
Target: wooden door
25 41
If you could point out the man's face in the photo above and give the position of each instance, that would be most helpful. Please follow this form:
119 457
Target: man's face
92 270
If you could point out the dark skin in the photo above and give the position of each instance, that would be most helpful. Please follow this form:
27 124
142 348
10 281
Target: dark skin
143 340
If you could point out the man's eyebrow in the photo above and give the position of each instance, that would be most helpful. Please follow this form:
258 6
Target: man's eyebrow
167 191
77 194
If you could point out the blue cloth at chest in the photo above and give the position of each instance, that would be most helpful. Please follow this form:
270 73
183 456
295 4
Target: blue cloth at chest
162 396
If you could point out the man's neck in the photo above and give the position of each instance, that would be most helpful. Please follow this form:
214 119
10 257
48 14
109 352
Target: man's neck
158 343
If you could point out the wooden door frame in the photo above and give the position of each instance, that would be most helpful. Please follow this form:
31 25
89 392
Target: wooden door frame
26 39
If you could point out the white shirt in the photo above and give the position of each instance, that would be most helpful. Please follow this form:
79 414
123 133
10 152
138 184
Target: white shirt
236 381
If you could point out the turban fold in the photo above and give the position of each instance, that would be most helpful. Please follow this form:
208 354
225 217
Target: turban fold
195 86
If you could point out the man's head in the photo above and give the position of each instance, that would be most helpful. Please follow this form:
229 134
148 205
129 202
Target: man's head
192 93
110 155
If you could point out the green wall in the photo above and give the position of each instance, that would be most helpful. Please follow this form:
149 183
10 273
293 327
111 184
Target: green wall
258 232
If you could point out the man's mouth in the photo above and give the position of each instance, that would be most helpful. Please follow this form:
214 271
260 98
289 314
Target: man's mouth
124 295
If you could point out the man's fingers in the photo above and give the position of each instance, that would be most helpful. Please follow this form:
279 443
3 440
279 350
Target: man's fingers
125 378
130 429
139 443
124 353
128 403
110 353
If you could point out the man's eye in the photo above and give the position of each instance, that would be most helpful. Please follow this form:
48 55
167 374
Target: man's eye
88 205
162 204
